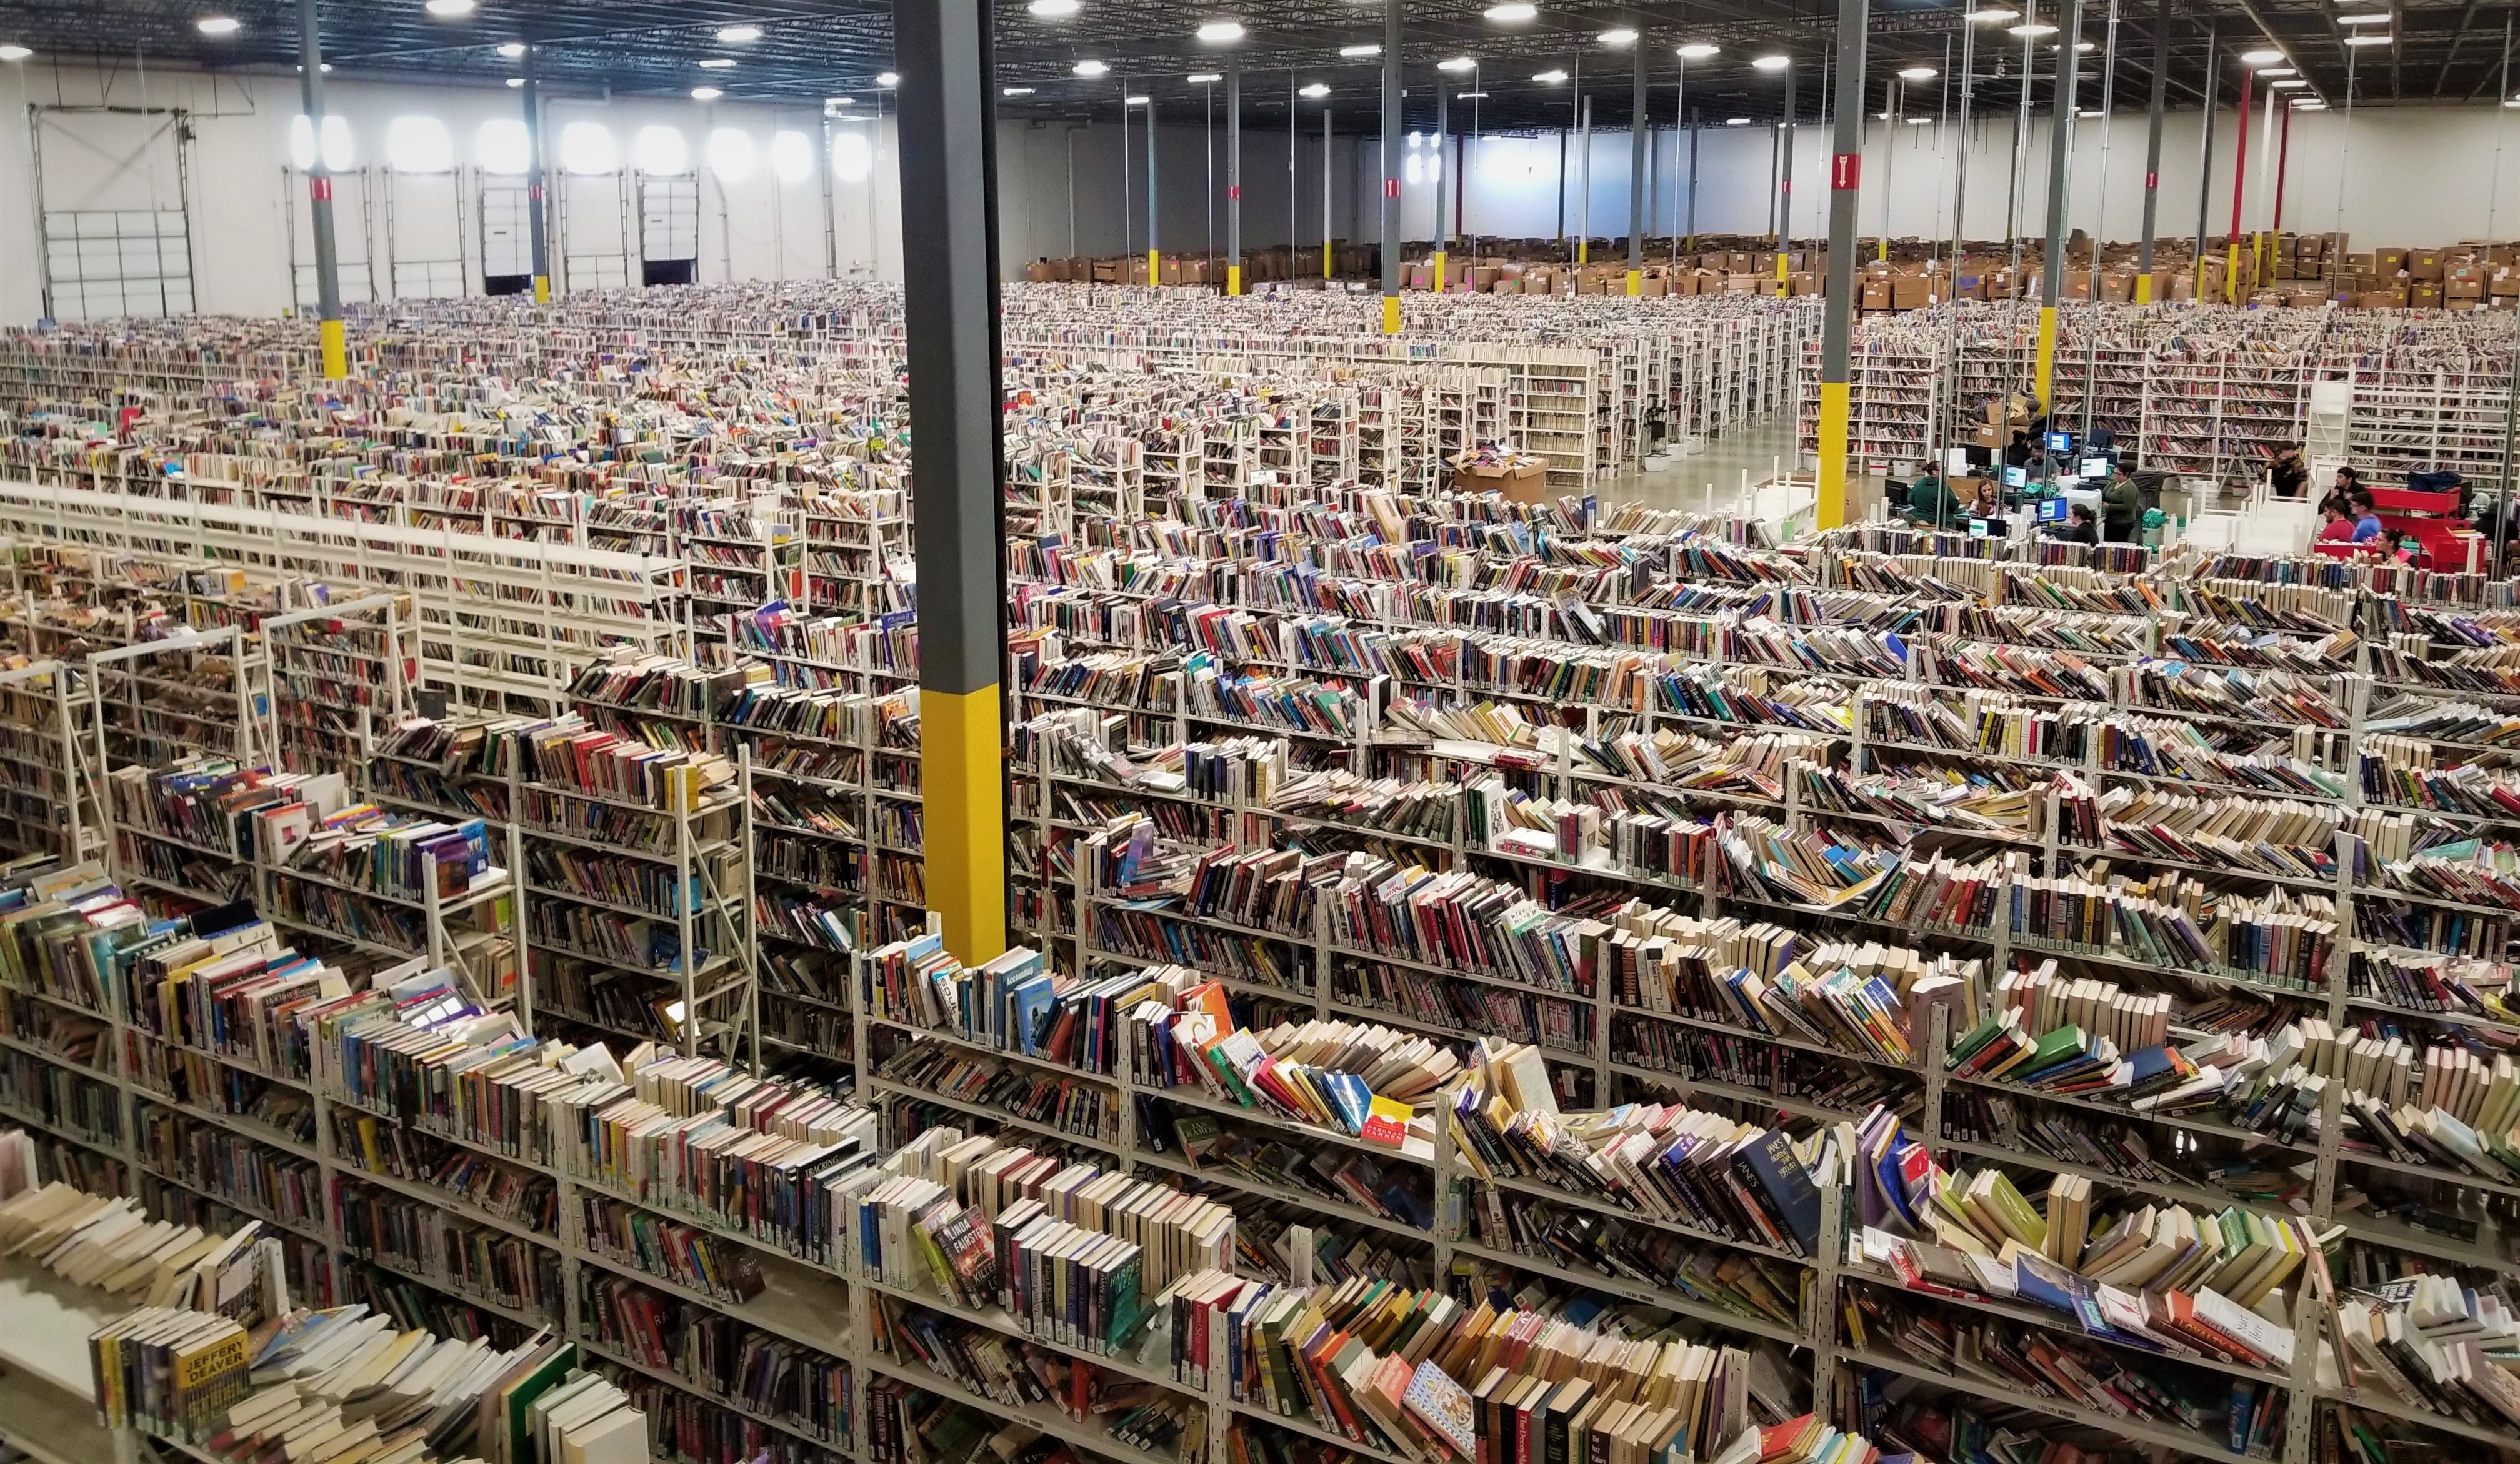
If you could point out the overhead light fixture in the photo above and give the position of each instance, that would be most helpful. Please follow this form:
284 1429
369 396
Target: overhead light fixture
1549 78
1920 121
1136 101
513 50
515 83
887 78
739 35
1696 51
1994 16
1511 13
2367 39
2031 31
717 64
706 94
220 26
2364 18
1316 90
1620 37
1015 91
1204 79
2312 104
1737 121
2283 86
1917 74
1055 9
14 53
831 102
1352 53
1469 96
2279 71
2088 114
1218 33
1089 69
1881 116
1457 64
451 10
2262 58
2086 47
1771 63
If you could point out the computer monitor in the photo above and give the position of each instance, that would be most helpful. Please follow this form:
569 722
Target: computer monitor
1980 528
2097 467
1955 461
2052 511
2016 477
2060 442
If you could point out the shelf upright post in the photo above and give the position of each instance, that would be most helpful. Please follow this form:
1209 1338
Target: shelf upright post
1391 175
749 942
1821 1326
950 296
2060 144
1234 179
685 861
2152 148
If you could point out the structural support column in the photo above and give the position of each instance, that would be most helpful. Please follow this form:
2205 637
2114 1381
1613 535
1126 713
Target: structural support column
538 206
2060 160
319 192
2153 149
949 231
2205 148
1234 174
1785 183
1637 177
1328 203
1444 169
1154 254
2239 188
1390 167
1837 309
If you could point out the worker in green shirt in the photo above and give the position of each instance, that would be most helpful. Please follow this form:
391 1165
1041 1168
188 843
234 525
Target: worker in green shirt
1930 501
2121 510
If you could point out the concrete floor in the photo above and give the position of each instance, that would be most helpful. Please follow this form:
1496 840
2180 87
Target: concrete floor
1712 481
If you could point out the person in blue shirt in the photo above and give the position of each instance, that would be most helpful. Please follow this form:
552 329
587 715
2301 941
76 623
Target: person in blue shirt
2367 521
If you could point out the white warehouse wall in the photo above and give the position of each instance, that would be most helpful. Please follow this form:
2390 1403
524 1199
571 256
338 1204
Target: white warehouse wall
2411 175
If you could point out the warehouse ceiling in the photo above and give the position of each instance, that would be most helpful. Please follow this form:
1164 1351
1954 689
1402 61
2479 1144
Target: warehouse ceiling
2422 51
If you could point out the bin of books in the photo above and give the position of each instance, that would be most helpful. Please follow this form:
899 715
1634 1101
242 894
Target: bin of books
1522 477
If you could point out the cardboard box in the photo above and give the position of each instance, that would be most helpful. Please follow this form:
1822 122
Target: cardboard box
2427 265
1744 283
2425 294
1653 287
1805 282
1911 292
2463 291
1522 485
1683 283
2117 284
1875 295
2389 261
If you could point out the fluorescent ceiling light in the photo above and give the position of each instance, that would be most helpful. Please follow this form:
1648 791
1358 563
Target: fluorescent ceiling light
1994 17
1457 64
2088 114
1619 37
1316 90
2279 71
1512 12
1920 121
1550 77
218 25
1217 32
2032 30
1469 96
2364 18
513 50
2312 104
2086 45
1135 100
717 64
1353 51
515 83
1055 9
1696 51
1089 69
2284 85
451 10
1206 78
739 35
14 53
1881 116
2262 58
831 102
1917 74
1015 91
2367 39
887 78
703 94
1737 121
1771 63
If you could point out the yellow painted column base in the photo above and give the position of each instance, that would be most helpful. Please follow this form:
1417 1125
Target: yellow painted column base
1441 282
961 753
1635 282
2143 289
1155 268
1234 278
337 350
1391 315
1830 511
542 289
1326 258
2231 275
1582 252
2047 354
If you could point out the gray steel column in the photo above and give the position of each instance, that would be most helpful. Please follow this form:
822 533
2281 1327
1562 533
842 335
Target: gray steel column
949 231
1637 174
1234 174
1390 167
1838 308
2152 148
2060 158
2205 149
1154 266
1951 381
319 193
1785 177
537 207
1443 180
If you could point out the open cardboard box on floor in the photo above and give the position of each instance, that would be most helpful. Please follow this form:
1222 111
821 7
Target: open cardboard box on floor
1526 483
